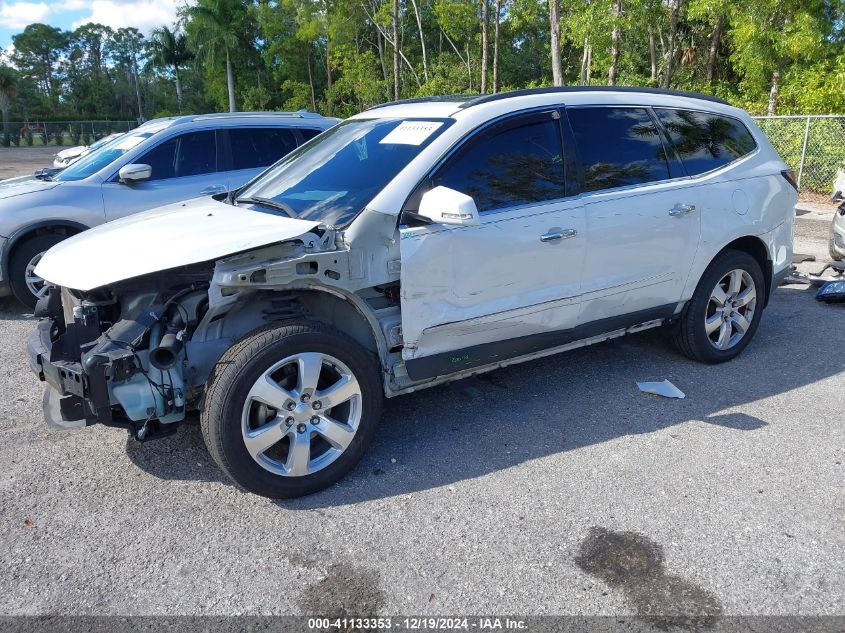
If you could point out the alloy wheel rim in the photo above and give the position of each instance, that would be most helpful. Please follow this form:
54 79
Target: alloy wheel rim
301 414
730 310
34 283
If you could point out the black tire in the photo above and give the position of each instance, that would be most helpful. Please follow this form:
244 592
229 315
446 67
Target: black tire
242 365
21 257
688 333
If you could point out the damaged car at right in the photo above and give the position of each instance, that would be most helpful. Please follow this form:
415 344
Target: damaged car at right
413 244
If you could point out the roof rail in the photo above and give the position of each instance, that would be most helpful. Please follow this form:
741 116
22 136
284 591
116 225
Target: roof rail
575 89
455 98
301 114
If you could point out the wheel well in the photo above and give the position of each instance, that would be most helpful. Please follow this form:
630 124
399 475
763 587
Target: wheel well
48 229
755 247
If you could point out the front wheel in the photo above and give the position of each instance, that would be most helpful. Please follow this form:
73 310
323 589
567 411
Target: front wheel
28 287
725 310
291 409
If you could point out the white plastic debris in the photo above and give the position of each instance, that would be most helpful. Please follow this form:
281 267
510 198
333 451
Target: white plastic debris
663 388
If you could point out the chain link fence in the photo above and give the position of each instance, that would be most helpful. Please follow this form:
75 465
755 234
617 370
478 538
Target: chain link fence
59 133
813 146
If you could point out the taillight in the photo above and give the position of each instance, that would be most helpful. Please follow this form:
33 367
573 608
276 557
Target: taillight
790 178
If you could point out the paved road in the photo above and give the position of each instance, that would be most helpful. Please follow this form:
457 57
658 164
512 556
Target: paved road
551 487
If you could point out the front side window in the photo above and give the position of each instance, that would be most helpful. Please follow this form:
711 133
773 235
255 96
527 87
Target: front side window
102 156
259 147
332 178
618 147
520 164
190 154
705 141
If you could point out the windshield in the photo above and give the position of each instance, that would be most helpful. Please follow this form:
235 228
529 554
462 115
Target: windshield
103 141
331 178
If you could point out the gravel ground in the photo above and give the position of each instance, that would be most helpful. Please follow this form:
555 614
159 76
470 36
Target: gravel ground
20 161
553 487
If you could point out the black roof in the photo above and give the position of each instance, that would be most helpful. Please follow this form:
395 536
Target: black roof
467 101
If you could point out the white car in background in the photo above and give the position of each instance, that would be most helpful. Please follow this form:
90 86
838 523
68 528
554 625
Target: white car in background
73 154
414 244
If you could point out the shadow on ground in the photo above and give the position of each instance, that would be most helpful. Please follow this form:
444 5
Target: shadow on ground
562 403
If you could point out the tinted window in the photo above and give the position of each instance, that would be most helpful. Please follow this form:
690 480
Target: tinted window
705 141
308 133
518 165
105 155
618 147
259 147
184 155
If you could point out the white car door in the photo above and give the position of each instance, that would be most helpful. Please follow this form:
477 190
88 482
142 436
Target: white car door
184 166
642 216
509 286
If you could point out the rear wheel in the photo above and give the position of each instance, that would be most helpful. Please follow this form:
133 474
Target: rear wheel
26 285
725 310
291 409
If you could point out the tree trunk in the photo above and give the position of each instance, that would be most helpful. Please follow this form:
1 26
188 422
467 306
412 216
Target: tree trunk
484 45
178 86
137 88
652 55
311 81
554 33
774 93
615 37
584 57
381 54
674 13
496 29
230 82
395 19
714 48
422 38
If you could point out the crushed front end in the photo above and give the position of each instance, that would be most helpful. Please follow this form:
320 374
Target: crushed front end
116 355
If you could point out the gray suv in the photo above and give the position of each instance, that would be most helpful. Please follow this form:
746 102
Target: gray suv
163 161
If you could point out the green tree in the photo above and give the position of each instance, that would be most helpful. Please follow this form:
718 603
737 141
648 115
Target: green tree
8 89
169 50
216 29
37 51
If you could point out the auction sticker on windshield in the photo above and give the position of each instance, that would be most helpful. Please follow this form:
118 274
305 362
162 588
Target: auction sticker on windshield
411 132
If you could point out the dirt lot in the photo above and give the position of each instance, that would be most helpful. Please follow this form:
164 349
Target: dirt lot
553 487
20 161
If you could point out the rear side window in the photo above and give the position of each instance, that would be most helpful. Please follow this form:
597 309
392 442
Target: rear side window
259 147
520 164
705 141
188 154
618 147
308 133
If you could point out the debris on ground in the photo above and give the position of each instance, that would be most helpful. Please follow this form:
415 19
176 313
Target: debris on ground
29 523
663 388
798 258
832 292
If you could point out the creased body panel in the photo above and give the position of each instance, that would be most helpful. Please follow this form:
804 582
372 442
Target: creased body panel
161 239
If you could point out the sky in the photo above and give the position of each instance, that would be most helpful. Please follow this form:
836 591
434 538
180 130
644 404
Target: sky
68 14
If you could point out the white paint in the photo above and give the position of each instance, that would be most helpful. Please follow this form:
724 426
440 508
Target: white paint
442 205
411 132
167 237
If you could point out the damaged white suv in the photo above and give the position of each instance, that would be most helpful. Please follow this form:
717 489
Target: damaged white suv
416 243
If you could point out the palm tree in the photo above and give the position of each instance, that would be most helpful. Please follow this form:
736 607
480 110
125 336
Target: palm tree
170 50
218 26
8 89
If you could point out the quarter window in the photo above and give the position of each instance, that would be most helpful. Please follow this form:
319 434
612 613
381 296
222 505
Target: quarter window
259 147
521 164
188 154
705 141
618 147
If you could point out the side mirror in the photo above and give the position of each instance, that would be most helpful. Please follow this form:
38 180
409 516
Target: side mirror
447 206
134 172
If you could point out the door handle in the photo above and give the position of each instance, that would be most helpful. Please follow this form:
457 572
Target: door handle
565 234
213 189
681 209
